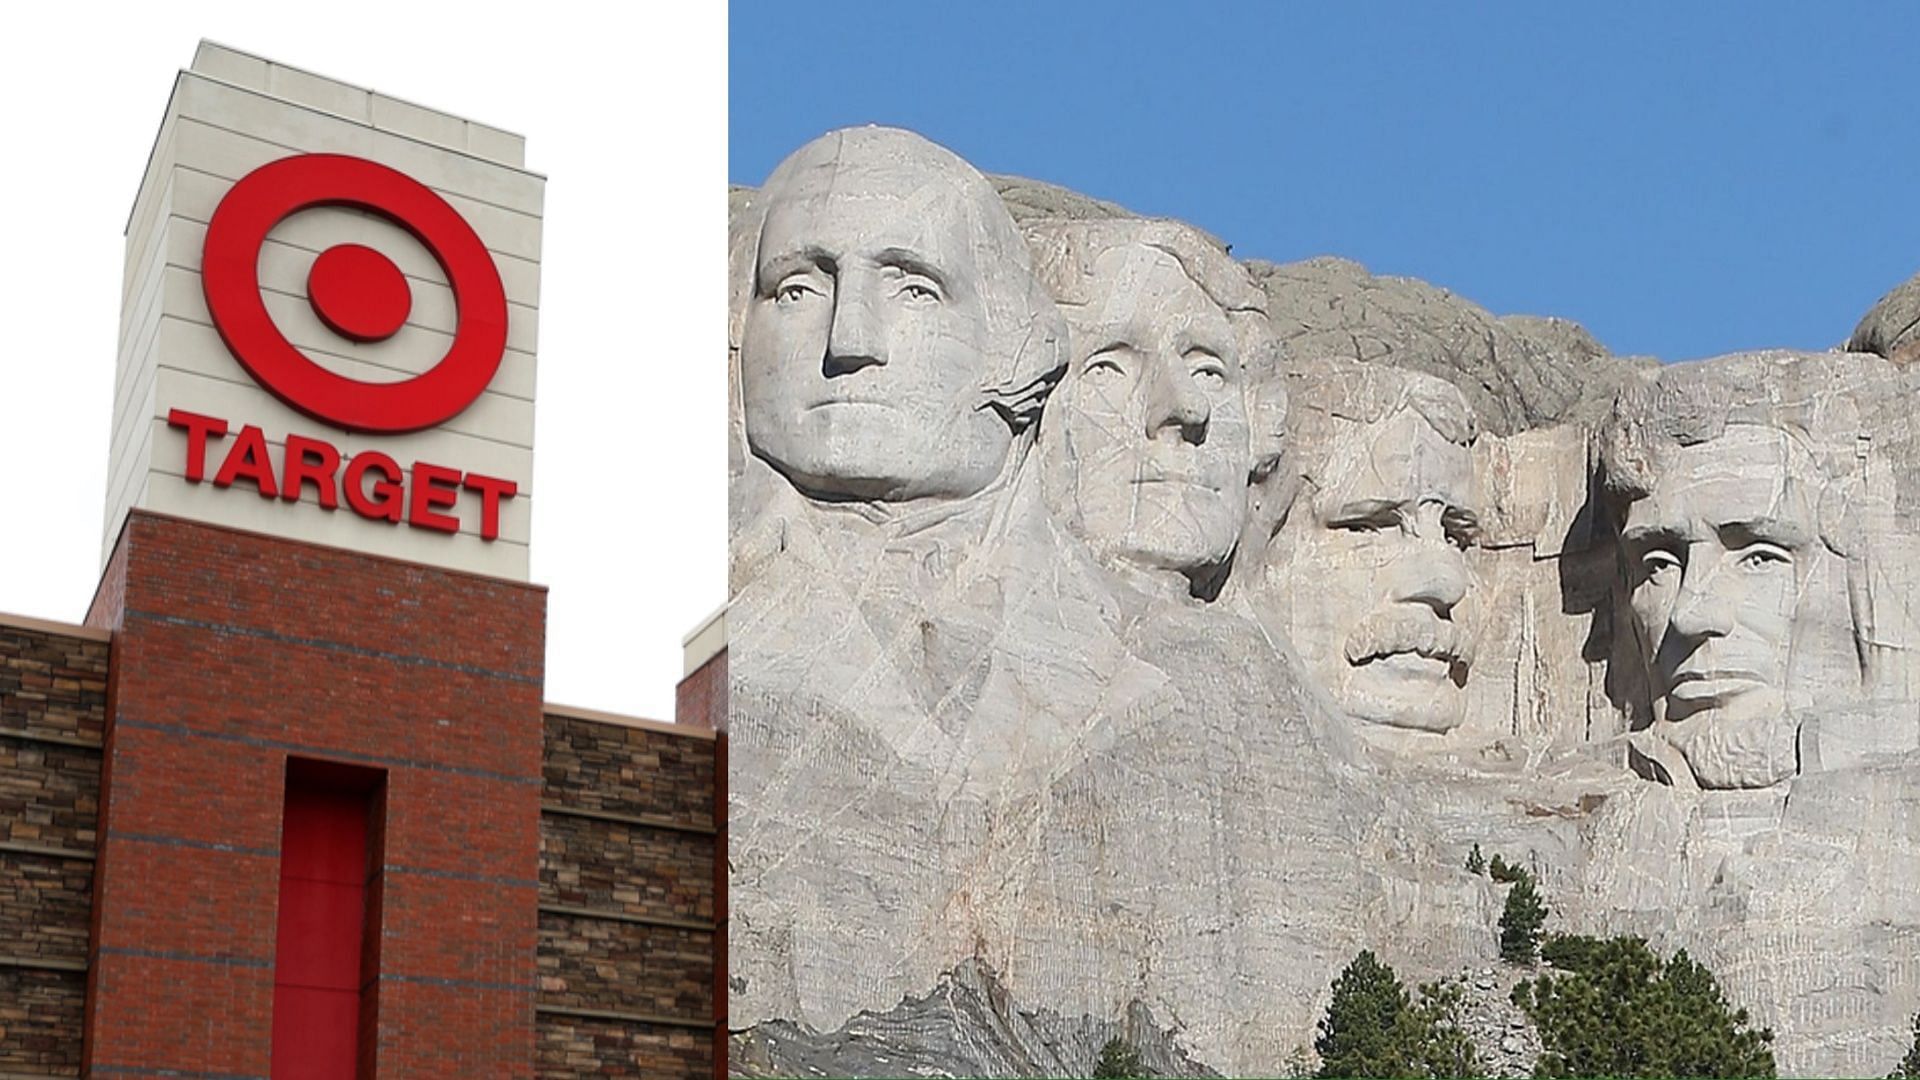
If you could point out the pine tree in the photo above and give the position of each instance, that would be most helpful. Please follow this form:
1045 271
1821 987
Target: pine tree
1374 1029
1118 1061
1910 1065
1520 921
1476 862
1616 1009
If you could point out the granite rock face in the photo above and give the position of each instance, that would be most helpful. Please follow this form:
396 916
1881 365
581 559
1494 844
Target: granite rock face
967 1025
1891 328
1519 372
1156 630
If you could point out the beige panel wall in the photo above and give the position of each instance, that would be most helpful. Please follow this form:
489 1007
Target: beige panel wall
229 114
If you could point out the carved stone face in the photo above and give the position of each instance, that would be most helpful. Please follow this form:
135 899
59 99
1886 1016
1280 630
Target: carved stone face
1716 561
864 350
1153 416
1373 578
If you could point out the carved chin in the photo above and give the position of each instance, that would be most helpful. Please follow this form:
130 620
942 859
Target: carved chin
1726 752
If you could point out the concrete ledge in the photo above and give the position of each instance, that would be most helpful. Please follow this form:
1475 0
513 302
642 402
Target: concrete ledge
49 738
48 626
622 1017
644 821
704 642
35 963
11 847
622 916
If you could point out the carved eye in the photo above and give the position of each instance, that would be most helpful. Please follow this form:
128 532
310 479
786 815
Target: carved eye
1658 563
919 291
794 290
1206 369
1365 525
1105 363
1759 558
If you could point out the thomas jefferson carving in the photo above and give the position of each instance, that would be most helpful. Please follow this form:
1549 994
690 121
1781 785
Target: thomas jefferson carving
1147 450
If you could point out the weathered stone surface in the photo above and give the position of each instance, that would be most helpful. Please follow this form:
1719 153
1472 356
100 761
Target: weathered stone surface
1036 200
1073 698
1518 372
1891 328
966 1026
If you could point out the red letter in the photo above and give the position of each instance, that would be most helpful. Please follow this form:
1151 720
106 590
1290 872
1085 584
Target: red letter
248 459
434 489
299 470
385 502
492 491
198 428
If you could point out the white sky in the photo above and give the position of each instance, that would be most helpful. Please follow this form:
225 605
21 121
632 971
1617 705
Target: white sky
625 111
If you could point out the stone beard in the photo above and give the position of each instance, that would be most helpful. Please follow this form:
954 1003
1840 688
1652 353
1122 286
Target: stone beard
894 343
1368 573
1716 559
1145 444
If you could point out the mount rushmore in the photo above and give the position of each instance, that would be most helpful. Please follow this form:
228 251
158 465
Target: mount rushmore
1155 630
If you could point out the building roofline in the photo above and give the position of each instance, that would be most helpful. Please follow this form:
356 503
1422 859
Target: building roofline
50 626
572 712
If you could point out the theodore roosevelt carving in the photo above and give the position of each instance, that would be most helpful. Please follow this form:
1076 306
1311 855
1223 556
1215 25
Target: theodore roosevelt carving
1368 573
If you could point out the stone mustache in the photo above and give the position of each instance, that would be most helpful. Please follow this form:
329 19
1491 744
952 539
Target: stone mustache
1097 617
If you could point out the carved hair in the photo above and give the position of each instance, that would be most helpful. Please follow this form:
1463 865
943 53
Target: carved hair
1338 393
1027 337
1806 398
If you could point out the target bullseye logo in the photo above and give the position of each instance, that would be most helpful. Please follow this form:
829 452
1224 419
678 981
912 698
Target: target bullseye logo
356 291
359 293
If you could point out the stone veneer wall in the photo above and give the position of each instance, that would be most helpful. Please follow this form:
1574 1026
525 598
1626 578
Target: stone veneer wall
53 704
628 905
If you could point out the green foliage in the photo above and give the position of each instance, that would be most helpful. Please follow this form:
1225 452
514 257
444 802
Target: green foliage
1910 1065
1502 870
1118 1061
1476 862
1620 1011
1374 1029
1520 921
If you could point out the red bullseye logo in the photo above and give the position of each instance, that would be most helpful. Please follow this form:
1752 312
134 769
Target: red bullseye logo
356 291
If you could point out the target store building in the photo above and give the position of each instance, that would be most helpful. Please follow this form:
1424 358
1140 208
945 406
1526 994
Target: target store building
292 803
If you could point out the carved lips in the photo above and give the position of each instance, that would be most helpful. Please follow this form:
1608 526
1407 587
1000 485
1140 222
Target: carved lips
1693 691
1400 634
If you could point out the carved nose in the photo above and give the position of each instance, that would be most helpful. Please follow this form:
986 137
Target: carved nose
1434 575
1174 403
854 340
1701 610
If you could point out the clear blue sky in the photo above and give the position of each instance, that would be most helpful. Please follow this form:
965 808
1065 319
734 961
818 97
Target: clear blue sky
1684 179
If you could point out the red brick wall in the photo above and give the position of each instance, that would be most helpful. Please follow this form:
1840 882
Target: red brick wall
232 652
701 698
